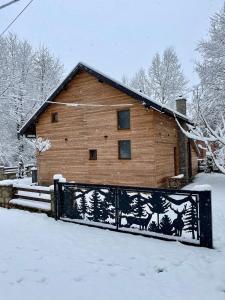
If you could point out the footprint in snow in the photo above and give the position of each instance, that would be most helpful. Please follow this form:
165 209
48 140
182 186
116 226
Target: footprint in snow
142 274
78 279
42 280
19 280
132 257
110 265
101 259
160 269
3 271
33 270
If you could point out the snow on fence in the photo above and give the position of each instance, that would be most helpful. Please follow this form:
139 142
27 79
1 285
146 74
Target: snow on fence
180 215
11 172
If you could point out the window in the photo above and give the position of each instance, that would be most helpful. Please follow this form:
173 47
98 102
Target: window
93 154
124 149
55 117
123 119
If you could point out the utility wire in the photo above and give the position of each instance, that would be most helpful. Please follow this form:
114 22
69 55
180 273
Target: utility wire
9 3
10 24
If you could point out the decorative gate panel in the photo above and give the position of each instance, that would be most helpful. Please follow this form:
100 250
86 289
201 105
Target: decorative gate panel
167 214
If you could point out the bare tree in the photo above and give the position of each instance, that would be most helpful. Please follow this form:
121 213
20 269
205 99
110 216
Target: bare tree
140 81
163 81
166 79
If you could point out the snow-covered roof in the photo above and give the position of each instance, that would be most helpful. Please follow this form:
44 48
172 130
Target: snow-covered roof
144 99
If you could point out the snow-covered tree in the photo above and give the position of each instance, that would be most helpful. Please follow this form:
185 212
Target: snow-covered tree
211 70
27 76
41 145
212 139
140 81
164 80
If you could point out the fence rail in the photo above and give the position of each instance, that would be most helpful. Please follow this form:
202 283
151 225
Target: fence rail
11 172
182 215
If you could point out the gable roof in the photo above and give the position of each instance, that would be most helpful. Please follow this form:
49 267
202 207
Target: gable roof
142 98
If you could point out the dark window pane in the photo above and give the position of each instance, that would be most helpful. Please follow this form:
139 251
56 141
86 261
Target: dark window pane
93 154
124 119
55 117
124 149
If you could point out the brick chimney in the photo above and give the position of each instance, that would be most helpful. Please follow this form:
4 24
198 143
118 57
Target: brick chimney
181 105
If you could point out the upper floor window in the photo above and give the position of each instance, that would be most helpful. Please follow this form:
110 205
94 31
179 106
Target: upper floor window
54 117
123 119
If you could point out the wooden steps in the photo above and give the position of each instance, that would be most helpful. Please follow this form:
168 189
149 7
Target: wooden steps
31 198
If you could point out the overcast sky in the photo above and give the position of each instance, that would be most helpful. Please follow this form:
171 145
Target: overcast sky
115 36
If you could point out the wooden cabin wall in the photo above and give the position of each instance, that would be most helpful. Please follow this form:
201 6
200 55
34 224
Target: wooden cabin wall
84 128
153 138
166 148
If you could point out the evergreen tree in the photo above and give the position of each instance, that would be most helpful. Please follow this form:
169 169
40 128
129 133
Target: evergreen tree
139 206
104 210
153 227
125 202
110 202
158 205
95 207
83 206
166 225
75 211
191 220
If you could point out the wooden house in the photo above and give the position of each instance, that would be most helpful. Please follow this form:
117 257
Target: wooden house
104 132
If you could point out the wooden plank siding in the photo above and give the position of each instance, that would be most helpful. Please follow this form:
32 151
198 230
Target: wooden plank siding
194 161
166 139
153 137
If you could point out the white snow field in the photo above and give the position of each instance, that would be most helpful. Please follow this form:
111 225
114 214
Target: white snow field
44 259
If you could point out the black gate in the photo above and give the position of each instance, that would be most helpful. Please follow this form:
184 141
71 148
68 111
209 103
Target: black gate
180 215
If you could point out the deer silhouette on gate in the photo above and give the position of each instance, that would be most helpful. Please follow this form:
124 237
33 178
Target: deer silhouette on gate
178 223
143 222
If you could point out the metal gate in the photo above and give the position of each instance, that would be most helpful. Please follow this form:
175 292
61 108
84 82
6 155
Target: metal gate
181 215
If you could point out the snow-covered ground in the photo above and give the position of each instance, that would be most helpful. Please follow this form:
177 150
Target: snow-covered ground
26 180
44 259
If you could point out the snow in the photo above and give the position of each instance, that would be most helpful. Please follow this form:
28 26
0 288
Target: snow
31 203
202 187
26 181
44 259
34 195
180 176
35 187
57 176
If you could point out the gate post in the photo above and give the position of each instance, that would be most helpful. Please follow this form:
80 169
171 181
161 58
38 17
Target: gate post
116 195
56 198
205 216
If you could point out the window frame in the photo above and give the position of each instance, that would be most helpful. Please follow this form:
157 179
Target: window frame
119 150
93 154
118 119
